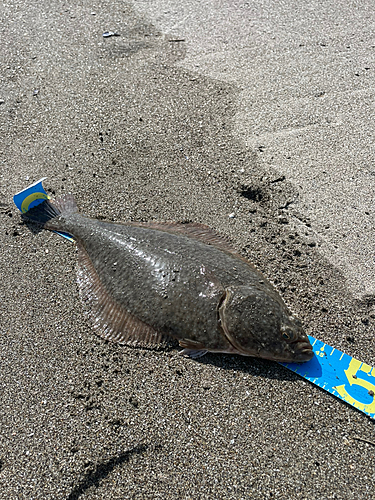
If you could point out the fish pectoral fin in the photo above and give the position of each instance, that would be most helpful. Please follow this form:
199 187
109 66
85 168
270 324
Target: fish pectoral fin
193 353
111 320
192 348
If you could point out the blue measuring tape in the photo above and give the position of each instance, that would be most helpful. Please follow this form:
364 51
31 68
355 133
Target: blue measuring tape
32 196
338 373
345 377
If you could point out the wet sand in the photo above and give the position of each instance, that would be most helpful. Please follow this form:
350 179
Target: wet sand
135 135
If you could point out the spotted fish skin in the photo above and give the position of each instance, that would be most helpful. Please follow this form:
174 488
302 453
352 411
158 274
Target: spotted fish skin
159 277
151 282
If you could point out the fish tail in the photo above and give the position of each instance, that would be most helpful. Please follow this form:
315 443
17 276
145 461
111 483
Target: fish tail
50 214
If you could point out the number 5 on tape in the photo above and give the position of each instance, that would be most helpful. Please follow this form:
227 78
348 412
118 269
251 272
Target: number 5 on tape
353 374
338 373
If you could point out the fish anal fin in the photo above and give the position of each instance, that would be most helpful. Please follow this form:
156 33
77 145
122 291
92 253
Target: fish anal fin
110 320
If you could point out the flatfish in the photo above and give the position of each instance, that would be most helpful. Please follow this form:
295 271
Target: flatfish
146 283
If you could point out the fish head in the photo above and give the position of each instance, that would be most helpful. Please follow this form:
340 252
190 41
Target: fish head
257 323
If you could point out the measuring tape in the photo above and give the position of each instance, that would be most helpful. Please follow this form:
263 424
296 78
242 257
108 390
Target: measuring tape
338 373
345 377
32 196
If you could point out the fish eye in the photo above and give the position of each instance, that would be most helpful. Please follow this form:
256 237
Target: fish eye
287 333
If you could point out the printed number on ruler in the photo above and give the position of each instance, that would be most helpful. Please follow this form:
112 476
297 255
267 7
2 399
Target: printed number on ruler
354 369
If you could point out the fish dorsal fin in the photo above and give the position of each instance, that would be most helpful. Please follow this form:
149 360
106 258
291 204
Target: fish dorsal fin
193 230
110 320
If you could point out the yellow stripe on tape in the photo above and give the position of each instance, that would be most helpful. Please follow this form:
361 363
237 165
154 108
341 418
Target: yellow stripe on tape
29 199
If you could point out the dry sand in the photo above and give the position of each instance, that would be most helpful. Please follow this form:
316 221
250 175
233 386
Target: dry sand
133 134
305 76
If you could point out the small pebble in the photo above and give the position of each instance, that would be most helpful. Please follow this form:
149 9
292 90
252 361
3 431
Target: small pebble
107 34
232 216
283 219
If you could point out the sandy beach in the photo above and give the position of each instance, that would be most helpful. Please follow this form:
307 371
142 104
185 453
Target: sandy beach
253 122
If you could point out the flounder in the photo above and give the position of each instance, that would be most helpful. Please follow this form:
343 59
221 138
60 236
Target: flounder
152 282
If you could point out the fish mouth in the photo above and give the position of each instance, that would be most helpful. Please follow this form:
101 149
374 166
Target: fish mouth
303 351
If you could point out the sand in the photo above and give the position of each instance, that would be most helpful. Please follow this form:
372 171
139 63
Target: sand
141 127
